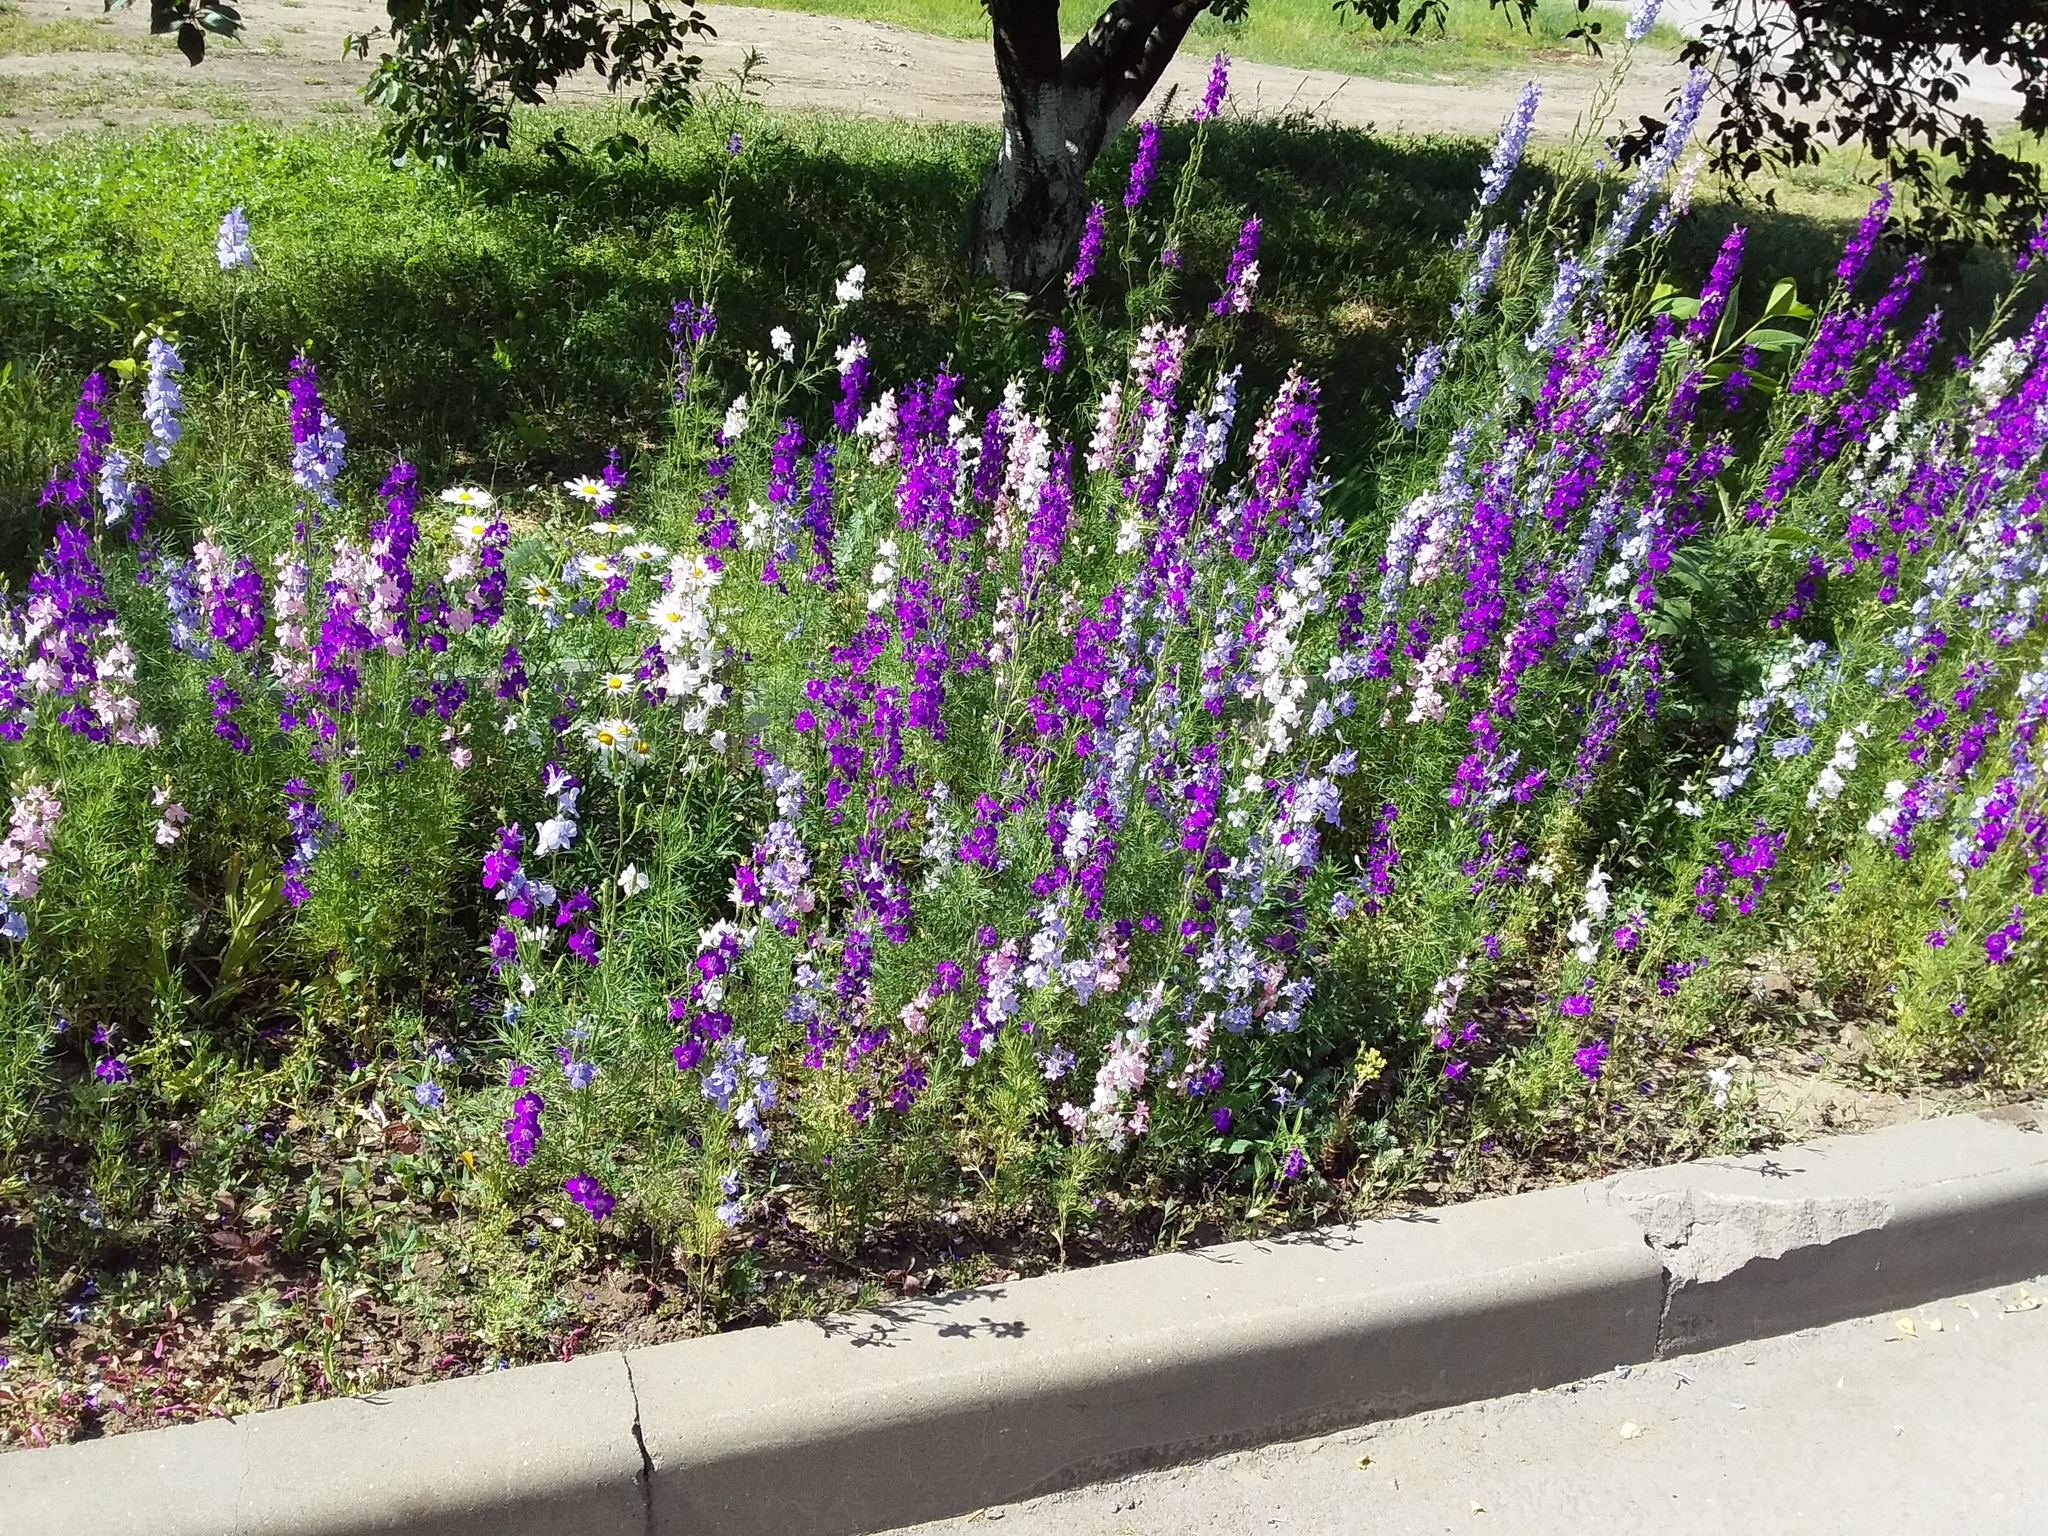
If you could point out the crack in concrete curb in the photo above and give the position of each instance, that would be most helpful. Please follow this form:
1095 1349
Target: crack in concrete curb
645 1477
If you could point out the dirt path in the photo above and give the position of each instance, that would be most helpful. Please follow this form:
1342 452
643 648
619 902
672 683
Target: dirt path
290 68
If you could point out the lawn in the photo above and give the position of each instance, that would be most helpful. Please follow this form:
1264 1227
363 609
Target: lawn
1474 39
374 1008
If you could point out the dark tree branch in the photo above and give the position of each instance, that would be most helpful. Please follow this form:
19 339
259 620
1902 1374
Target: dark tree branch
1027 38
1128 49
1129 36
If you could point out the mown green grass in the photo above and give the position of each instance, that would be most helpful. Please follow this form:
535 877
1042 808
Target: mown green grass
20 35
1310 34
23 36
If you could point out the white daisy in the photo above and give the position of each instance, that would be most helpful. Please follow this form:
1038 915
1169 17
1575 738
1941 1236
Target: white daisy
614 740
470 530
468 496
616 685
643 553
621 529
540 592
597 567
586 488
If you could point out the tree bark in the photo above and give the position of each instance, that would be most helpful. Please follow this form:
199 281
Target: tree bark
1057 114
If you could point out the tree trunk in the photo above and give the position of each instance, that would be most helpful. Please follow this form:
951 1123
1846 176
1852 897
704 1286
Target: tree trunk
1057 114
1034 199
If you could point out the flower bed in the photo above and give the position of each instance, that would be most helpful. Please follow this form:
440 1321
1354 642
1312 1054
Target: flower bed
879 808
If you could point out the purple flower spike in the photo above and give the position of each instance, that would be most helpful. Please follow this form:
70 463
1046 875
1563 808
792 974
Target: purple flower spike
1715 299
1508 148
1055 350
74 487
1212 94
1856 254
522 1130
1090 251
1241 277
1144 165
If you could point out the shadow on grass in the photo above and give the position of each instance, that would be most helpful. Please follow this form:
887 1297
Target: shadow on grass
508 327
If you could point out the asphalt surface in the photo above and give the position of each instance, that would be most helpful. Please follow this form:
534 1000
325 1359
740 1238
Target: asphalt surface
1933 1420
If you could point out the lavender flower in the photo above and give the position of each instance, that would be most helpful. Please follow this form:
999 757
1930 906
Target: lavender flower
1055 351
690 325
2036 248
1212 93
161 401
68 604
1643 18
231 246
1479 282
1422 377
1144 165
117 491
1584 279
731 1208
181 600
318 444
310 831
226 700
1590 1059
1509 147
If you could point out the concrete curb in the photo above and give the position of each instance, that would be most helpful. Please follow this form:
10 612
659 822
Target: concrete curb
929 1408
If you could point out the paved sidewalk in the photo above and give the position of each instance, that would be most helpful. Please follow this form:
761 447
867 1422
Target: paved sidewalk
1923 1421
